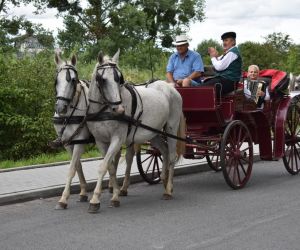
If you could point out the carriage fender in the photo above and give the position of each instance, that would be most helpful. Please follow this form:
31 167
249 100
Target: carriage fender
280 117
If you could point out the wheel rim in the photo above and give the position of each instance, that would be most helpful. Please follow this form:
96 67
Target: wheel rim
291 156
236 155
149 165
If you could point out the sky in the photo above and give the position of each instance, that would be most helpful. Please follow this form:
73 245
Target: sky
252 20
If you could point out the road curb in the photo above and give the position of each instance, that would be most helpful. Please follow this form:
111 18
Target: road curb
57 190
45 165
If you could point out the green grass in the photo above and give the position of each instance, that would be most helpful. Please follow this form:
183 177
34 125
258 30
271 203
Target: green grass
46 158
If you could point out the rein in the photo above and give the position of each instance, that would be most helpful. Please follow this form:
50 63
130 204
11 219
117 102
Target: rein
65 121
108 116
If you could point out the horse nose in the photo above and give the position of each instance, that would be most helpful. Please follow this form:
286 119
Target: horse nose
119 109
61 108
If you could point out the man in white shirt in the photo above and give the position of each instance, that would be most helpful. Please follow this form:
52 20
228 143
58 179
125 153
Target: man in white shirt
228 66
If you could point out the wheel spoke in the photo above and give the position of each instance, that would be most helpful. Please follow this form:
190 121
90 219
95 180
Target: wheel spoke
238 174
154 166
160 158
146 158
242 167
234 173
158 170
296 158
229 165
149 164
243 150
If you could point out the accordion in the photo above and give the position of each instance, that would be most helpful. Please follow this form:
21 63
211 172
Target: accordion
254 87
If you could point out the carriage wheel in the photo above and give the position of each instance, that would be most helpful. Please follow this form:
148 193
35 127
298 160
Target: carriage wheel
213 162
291 158
236 154
149 165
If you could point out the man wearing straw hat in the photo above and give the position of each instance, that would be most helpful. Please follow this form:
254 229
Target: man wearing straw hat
185 67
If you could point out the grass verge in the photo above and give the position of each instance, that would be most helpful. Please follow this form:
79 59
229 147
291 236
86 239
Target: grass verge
46 158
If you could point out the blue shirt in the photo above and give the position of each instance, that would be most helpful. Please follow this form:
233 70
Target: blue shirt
182 68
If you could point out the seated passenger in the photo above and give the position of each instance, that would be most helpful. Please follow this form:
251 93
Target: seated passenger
185 67
255 88
228 66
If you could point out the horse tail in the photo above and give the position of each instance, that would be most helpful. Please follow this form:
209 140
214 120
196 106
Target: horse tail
180 146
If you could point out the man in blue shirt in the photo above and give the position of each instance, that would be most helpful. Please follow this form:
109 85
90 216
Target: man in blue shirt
185 67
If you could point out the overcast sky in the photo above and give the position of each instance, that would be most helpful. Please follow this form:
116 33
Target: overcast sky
250 19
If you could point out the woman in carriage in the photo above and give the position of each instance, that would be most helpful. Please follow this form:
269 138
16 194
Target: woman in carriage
256 88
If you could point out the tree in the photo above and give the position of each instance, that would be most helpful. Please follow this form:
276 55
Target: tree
137 20
263 55
292 63
281 42
202 49
11 27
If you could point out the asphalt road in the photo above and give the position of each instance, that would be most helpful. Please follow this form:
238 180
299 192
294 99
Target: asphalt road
204 214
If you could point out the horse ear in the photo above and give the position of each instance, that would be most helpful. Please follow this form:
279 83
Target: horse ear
115 58
73 60
58 59
100 57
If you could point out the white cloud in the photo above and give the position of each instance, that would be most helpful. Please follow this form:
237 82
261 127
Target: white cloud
250 19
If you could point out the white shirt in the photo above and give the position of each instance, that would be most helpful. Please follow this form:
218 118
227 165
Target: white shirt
222 62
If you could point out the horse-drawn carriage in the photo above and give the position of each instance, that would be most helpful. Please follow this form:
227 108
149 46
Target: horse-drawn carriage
223 130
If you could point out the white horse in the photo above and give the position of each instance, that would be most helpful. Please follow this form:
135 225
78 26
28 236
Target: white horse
159 106
71 107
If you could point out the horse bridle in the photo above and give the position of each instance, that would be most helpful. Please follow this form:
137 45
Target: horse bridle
100 82
74 82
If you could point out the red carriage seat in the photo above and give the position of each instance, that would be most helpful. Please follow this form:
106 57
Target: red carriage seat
203 110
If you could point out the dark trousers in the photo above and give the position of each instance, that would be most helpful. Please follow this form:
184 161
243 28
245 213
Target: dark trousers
224 86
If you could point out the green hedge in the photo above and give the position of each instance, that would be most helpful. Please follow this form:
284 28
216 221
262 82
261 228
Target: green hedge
27 98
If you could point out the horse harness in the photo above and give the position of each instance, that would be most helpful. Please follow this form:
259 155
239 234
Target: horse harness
74 81
101 115
66 120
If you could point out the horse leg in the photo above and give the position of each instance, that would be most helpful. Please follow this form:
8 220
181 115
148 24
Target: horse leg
110 153
83 185
110 183
112 169
159 143
175 148
75 152
172 160
129 158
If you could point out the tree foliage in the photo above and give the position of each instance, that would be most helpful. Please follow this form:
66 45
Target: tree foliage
127 21
202 49
277 52
26 104
12 27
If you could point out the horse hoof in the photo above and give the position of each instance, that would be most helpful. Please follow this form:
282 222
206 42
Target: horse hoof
83 198
61 206
123 193
114 203
167 197
110 190
94 208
